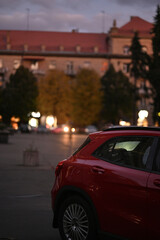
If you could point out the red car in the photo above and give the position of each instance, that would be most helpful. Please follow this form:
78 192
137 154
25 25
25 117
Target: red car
111 185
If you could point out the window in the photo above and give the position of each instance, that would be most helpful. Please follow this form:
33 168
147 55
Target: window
157 167
1 63
52 65
126 67
126 50
86 64
128 151
95 49
78 48
16 64
34 65
69 68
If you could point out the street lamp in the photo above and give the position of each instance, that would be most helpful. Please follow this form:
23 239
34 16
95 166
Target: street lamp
142 120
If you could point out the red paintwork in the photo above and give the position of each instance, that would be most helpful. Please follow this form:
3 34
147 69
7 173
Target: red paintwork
127 200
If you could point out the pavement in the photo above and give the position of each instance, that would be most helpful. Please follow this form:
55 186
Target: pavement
25 202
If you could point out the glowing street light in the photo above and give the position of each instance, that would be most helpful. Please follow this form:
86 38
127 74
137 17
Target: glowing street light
143 114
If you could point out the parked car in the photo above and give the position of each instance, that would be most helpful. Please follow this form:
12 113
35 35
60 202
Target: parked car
42 129
111 185
62 129
90 129
25 128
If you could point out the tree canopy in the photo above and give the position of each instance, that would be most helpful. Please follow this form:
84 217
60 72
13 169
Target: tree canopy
155 64
139 69
140 60
117 96
86 98
55 96
19 96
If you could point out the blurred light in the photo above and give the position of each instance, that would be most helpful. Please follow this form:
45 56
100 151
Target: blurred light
15 126
33 122
124 123
36 114
14 119
50 121
158 114
143 114
73 130
66 129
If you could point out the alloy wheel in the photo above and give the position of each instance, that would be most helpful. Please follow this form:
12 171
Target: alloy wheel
75 222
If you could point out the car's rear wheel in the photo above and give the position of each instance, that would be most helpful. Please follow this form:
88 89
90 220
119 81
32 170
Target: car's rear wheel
75 220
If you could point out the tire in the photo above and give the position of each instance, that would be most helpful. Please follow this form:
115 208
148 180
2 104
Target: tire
76 221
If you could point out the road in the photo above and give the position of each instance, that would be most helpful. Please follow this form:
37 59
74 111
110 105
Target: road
25 202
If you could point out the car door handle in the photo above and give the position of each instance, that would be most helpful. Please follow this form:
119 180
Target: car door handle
98 169
157 182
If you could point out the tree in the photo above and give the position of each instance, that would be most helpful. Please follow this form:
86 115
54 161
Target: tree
19 96
117 100
139 66
140 60
155 65
86 98
55 96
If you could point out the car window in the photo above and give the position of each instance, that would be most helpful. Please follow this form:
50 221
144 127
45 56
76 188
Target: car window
130 151
157 167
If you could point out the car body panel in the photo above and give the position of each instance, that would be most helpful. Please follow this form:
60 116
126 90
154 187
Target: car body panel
153 208
126 200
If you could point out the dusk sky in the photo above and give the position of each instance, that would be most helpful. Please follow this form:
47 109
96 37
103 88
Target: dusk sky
65 15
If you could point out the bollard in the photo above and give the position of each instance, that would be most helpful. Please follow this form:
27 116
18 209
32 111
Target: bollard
31 158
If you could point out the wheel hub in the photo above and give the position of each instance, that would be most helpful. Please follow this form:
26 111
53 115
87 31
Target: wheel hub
75 224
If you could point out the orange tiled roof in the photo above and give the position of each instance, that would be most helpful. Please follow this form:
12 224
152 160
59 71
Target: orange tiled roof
135 24
53 40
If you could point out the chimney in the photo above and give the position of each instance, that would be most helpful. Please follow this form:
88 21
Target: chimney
75 30
114 28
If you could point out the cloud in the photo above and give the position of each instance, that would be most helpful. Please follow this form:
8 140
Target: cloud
58 21
13 21
144 3
10 4
47 4
64 15
67 4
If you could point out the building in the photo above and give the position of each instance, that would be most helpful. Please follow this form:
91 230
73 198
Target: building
69 51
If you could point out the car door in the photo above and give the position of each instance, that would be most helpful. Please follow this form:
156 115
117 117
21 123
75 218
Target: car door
122 185
154 198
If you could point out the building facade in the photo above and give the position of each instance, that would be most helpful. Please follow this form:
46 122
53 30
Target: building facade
42 51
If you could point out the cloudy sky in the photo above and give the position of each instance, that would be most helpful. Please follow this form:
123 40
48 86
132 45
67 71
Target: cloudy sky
65 15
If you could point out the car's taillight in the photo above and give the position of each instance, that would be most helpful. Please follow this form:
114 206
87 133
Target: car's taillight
58 168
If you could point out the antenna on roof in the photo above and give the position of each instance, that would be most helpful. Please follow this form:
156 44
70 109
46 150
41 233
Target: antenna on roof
28 10
103 21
